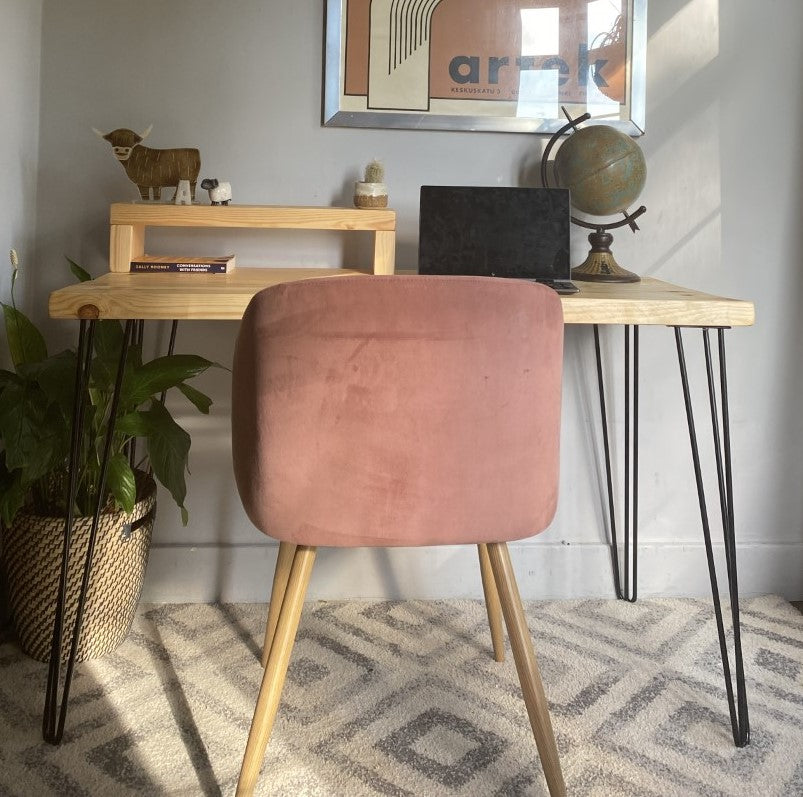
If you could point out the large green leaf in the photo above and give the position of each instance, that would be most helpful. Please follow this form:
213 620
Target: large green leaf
54 440
106 362
161 374
49 447
121 481
200 400
108 338
22 412
56 377
168 449
79 273
25 342
134 424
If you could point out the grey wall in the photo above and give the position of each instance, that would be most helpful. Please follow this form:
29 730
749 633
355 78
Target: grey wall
20 38
242 81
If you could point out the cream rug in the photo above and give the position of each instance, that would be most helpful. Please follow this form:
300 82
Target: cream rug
404 698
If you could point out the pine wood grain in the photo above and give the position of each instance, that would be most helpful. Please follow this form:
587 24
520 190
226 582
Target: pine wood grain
225 297
384 252
129 223
125 244
221 297
253 216
652 301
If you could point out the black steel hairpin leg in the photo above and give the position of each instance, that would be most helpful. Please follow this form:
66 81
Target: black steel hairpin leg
83 360
740 723
631 398
170 349
55 716
137 339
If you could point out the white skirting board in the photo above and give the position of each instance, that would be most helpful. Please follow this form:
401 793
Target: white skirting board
243 573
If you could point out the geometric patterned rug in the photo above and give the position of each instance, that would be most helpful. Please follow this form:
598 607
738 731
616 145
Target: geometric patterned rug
404 698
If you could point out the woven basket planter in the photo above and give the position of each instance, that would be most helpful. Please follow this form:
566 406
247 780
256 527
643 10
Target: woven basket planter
32 549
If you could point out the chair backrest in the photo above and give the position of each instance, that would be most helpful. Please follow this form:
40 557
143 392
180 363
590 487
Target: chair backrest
398 410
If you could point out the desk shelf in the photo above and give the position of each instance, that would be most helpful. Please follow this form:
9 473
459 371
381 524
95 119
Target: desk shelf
129 223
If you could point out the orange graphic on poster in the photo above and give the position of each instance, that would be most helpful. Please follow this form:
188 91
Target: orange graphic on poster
403 54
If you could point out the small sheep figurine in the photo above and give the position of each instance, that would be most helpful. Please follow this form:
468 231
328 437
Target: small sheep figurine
219 193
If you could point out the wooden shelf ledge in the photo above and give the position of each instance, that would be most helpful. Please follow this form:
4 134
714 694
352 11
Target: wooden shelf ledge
252 216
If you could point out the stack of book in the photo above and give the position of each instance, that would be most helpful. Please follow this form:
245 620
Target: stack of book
154 264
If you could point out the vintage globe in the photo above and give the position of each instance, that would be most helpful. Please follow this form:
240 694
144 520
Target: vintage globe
603 168
605 172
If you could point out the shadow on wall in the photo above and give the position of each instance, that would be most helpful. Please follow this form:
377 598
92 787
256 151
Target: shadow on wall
683 192
787 414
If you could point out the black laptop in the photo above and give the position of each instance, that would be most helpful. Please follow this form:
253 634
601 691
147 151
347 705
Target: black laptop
522 233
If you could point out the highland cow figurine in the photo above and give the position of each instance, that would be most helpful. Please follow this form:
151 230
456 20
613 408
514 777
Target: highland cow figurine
153 169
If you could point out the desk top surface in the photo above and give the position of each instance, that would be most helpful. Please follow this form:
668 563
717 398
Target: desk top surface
225 297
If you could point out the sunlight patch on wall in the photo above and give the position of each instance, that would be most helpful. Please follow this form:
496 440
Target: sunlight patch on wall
684 183
684 45
684 198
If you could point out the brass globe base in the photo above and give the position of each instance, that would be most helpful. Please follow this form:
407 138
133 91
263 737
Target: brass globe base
603 268
601 265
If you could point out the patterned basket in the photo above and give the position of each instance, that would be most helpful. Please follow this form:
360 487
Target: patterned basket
32 552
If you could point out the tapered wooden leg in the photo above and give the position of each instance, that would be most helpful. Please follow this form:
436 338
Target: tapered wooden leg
281 575
273 678
492 605
527 667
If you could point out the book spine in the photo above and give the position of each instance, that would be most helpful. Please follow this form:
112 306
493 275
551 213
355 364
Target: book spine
175 268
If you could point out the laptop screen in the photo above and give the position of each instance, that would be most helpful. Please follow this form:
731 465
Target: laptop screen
494 231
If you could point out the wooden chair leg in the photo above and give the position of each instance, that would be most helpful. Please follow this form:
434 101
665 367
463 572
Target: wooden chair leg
492 605
273 678
281 575
527 667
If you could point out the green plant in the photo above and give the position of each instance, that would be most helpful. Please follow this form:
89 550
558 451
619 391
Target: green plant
374 172
36 407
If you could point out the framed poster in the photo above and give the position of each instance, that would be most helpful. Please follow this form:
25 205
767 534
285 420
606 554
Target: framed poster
507 65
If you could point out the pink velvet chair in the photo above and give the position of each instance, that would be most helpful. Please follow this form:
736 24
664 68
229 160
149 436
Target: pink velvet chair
398 411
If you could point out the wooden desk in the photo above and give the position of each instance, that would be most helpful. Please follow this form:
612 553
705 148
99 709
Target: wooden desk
225 297
121 295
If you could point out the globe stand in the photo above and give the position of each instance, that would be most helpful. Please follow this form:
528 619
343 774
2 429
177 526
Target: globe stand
601 265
